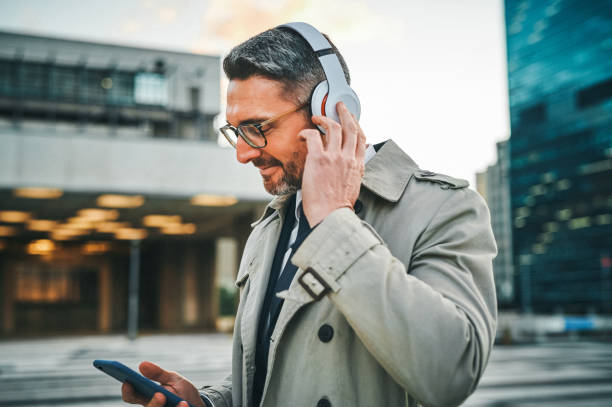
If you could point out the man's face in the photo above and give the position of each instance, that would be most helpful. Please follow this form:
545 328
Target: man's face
281 161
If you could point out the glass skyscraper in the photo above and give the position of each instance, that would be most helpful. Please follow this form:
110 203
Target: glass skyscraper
560 86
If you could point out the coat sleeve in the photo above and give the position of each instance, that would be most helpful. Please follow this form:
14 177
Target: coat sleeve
218 396
432 326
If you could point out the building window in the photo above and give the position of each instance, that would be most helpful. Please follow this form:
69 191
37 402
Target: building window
150 89
594 94
6 78
94 87
64 83
194 93
121 91
533 114
73 84
32 80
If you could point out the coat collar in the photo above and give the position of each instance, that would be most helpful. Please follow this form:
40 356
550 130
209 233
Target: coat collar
277 204
386 181
388 172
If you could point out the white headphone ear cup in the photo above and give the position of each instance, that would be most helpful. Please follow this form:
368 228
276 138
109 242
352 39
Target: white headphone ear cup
347 96
316 100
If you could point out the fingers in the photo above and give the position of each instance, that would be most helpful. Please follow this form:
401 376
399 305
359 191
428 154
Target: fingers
361 144
129 395
349 128
333 132
346 135
158 400
154 372
313 140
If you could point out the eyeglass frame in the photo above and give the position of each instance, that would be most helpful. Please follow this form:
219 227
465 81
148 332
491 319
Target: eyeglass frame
259 126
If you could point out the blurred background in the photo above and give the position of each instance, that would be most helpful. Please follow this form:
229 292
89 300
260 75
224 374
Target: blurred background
123 213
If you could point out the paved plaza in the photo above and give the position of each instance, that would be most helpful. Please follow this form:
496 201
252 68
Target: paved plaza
58 371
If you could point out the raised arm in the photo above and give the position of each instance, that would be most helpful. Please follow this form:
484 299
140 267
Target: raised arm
431 327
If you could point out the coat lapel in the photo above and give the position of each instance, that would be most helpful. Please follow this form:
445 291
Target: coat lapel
259 271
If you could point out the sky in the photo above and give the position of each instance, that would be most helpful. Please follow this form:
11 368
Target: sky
430 74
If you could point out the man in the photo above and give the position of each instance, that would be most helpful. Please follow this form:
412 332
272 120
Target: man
367 281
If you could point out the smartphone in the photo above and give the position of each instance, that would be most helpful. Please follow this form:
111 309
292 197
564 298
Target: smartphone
141 384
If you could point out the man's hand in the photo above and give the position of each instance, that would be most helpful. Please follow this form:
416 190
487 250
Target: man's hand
334 167
171 381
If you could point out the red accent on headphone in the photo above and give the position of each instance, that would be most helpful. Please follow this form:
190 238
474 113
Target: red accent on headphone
323 104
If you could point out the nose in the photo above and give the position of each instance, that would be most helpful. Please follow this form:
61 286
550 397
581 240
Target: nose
245 153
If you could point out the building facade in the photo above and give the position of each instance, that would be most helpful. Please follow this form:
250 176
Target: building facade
116 199
494 185
560 88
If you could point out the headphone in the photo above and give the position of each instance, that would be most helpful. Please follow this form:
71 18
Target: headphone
334 89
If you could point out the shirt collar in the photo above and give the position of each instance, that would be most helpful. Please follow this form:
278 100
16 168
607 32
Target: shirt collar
369 153
298 202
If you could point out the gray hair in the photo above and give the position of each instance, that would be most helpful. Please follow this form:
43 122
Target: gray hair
280 54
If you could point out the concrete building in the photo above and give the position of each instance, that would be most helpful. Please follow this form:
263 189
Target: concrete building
494 185
109 163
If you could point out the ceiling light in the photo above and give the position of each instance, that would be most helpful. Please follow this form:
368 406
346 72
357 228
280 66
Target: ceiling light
38 193
120 201
64 234
42 246
111 227
185 229
78 223
98 215
6 231
96 247
41 225
161 220
14 216
131 234
213 200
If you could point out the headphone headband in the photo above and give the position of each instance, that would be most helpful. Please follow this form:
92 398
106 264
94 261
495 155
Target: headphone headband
335 89
324 51
317 41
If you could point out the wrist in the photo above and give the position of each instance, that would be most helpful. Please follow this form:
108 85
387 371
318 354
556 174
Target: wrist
317 218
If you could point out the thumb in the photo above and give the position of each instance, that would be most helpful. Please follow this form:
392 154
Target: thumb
154 372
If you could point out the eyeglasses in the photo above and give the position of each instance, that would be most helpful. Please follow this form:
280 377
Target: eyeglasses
253 133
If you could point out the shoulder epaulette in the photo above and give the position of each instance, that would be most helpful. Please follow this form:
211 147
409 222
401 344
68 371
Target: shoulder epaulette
445 181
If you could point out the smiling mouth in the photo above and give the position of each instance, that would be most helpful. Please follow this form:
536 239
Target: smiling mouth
267 171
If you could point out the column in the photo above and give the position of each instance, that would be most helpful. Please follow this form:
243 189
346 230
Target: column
105 302
8 289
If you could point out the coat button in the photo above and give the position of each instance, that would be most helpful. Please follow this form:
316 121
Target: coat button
326 333
324 403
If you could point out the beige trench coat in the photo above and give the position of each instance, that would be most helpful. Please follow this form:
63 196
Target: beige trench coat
409 316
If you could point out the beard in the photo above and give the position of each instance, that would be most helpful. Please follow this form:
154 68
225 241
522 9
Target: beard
291 179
